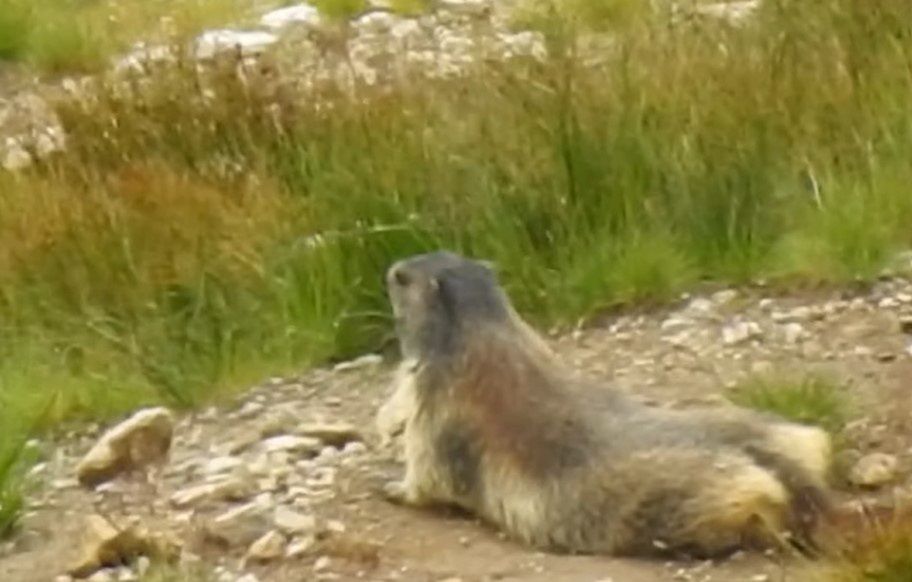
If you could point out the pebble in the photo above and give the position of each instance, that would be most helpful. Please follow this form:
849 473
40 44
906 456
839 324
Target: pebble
270 546
740 332
292 522
874 470
322 564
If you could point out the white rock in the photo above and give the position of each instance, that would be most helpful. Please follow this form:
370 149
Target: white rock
232 488
466 7
793 332
268 547
291 522
700 305
322 564
143 55
50 140
248 42
376 22
405 29
874 470
241 525
103 576
15 156
299 14
142 439
365 361
143 563
739 332
300 546
224 464
734 12
291 443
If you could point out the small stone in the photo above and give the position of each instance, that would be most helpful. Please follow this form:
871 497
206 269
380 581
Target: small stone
215 42
793 332
250 409
143 564
103 576
874 470
105 544
248 578
354 448
740 332
290 522
336 434
219 465
16 157
269 547
322 564
240 526
291 443
230 489
300 546
888 303
725 296
366 361
700 305
141 440
300 14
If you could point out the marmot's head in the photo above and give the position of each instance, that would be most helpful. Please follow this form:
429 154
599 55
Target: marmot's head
437 297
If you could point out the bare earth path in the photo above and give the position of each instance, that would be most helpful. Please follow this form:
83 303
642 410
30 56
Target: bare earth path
673 357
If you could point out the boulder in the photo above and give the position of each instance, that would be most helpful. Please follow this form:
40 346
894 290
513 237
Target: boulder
141 440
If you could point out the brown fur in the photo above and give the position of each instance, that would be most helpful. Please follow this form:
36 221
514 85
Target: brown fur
494 424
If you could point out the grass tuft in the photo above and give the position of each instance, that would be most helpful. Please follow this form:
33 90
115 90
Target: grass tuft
883 554
811 398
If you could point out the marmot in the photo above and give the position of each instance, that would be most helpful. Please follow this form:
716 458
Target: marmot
495 425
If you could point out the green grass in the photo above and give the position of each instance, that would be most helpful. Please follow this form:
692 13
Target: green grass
74 36
16 457
808 398
187 246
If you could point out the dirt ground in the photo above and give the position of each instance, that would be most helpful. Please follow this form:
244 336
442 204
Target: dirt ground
677 356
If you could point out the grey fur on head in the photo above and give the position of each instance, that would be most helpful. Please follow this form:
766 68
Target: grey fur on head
436 295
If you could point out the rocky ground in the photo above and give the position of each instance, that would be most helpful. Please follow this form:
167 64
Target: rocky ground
282 484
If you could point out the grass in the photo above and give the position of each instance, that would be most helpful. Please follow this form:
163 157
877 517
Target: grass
16 457
74 36
882 554
191 242
809 398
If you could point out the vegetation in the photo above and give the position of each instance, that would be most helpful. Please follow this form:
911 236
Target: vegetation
60 36
187 244
882 554
811 398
